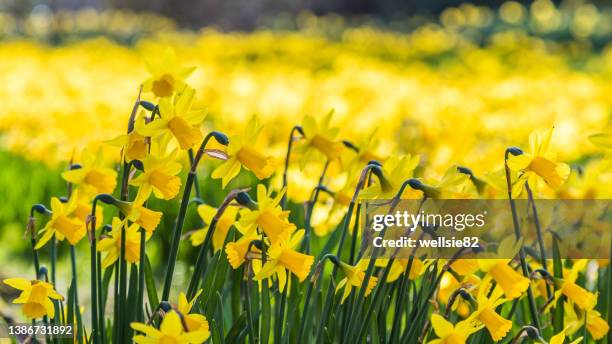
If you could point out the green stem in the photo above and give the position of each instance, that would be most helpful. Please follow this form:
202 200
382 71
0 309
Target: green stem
540 236
287 157
94 276
310 209
77 307
178 228
141 277
517 232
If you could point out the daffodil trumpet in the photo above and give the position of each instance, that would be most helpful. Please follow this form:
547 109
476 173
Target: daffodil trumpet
517 232
178 229
204 248
292 138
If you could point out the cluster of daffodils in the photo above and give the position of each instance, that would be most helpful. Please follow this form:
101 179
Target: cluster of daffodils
261 255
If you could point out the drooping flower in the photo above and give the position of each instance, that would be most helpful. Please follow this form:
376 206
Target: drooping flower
538 162
577 294
63 223
93 176
509 280
159 177
36 297
319 138
225 222
133 144
111 244
243 153
268 216
395 171
497 325
139 214
452 334
236 250
354 276
194 322
167 75
170 331
559 338
282 255
177 120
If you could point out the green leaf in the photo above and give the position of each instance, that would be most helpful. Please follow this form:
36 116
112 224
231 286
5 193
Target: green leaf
150 284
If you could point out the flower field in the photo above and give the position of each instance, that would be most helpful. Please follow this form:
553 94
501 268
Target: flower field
204 186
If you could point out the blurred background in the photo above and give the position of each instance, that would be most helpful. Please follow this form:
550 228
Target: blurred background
453 81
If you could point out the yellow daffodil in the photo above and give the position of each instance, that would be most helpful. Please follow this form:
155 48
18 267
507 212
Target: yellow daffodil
93 176
194 322
133 145
448 333
366 151
243 153
538 162
281 256
509 280
225 222
63 223
170 331
319 137
577 294
83 208
574 317
159 177
396 170
111 244
236 250
177 120
268 216
559 338
36 297
452 185
354 276
400 265
497 325
167 75
139 214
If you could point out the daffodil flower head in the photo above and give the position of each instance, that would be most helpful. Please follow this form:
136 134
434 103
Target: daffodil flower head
177 119
559 338
171 330
497 325
448 333
577 294
509 280
538 162
63 224
354 277
36 297
159 177
111 244
225 222
242 153
284 255
194 322
319 138
92 176
236 251
139 214
268 216
133 144
167 75
393 173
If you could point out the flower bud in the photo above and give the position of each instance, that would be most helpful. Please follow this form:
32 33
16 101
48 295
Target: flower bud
244 199
147 105
514 151
220 137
